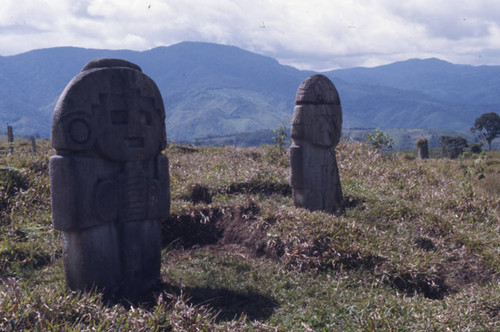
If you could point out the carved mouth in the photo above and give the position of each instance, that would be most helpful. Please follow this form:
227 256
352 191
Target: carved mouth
135 142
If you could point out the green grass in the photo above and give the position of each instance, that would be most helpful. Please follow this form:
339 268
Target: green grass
417 247
3 139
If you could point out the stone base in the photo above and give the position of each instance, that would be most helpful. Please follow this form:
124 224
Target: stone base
118 259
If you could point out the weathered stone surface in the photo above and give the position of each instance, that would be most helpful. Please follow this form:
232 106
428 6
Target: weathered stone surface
423 148
109 180
316 130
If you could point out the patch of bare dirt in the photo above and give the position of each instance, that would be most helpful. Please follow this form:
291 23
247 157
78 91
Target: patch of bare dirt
465 268
256 187
432 287
199 194
222 227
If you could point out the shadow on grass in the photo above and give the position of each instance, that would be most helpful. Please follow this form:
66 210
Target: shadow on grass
225 304
228 304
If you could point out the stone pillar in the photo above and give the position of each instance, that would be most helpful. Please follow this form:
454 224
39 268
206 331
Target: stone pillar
10 138
422 148
316 130
33 144
109 180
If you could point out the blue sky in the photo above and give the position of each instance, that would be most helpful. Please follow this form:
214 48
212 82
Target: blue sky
307 34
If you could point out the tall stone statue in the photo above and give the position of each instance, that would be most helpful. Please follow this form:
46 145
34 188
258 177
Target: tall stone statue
109 180
316 130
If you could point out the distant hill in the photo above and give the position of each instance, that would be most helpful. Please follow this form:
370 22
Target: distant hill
429 93
212 90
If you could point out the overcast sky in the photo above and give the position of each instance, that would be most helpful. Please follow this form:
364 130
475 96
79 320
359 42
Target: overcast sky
307 34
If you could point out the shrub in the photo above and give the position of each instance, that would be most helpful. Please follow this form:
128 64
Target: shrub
453 146
476 147
379 140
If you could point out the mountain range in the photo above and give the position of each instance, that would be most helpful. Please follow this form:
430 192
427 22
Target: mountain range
212 90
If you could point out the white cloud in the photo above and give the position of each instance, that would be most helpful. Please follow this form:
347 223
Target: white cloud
313 34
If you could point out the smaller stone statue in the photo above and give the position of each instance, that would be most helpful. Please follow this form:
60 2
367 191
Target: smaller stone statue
422 148
316 130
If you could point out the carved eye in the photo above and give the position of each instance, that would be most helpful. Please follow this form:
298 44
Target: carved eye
79 131
119 117
145 118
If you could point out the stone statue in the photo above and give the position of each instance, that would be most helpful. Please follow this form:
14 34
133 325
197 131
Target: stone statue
422 148
109 180
316 130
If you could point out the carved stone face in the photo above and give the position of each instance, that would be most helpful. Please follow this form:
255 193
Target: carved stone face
317 90
323 127
116 112
317 124
130 127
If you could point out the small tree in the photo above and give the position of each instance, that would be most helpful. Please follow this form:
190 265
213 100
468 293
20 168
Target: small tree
488 127
378 139
280 138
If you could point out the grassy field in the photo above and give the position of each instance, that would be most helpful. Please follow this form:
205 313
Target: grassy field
417 247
